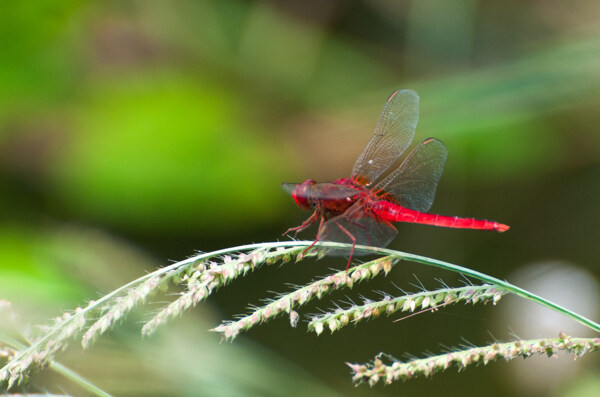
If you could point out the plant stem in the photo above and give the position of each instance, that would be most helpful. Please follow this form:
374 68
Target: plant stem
274 250
508 286
61 369
463 270
483 277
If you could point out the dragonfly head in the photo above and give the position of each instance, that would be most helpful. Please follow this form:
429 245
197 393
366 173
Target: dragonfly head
301 193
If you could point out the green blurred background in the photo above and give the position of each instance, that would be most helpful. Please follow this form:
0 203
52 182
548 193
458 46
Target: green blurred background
133 133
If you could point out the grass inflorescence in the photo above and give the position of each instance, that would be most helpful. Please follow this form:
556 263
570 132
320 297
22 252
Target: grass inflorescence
422 301
200 276
378 370
315 290
204 273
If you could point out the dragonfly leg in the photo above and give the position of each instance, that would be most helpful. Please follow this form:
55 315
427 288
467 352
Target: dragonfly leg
308 222
319 236
343 229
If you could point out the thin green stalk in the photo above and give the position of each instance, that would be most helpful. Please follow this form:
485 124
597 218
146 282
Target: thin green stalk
162 271
61 369
426 261
75 321
458 269
480 276
430 262
78 379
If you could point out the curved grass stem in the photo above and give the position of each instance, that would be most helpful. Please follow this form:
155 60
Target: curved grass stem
458 269
41 351
104 312
479 276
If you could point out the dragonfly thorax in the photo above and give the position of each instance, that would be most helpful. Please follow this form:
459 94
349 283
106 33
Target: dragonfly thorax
329 199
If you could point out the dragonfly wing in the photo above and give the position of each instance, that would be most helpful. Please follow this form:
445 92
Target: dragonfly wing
414 183
358 224
289 187
394 133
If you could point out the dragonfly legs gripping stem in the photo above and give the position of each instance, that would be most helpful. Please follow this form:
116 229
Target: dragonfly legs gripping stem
343 229
319 234
308 222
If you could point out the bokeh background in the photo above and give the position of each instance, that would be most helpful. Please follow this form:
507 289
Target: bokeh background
133 133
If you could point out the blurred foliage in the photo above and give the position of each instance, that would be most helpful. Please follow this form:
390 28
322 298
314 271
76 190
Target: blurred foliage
170 125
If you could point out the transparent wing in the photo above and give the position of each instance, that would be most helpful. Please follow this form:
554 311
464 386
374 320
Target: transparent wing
394 133
358 224
414 183
323 191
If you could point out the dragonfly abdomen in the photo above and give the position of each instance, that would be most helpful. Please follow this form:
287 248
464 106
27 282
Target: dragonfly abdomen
395 213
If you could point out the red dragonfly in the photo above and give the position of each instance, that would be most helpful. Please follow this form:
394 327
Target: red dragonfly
360 209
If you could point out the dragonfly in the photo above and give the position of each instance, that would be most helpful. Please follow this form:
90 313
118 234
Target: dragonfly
361 209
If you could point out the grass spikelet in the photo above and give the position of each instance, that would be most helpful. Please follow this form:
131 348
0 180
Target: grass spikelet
377 370
426 300
120 307
202 283
43 351
315 290
114 306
